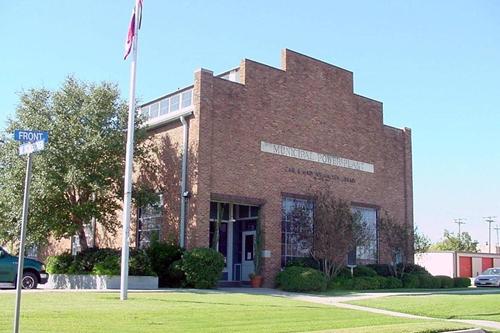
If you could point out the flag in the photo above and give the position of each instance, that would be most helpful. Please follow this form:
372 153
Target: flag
129 41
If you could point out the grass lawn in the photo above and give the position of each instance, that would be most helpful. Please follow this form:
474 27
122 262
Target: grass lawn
193 312
342 292
457 306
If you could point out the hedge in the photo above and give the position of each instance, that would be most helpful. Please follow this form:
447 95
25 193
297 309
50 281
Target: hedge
428 281
163 255
382 269
203 267
411 281
364 271
445 281
461 282
98 261
297 278
391 282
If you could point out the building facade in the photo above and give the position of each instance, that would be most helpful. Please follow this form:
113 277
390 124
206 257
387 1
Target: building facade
251 143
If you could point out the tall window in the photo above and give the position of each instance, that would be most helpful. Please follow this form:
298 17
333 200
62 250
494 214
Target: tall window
367 253
296 226
222 209
149 224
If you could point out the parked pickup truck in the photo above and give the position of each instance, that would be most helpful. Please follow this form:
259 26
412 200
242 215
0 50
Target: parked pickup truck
33 272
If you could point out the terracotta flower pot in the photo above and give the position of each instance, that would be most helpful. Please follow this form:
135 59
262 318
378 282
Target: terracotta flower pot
256 281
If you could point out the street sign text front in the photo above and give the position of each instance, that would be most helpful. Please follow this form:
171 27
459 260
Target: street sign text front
31 136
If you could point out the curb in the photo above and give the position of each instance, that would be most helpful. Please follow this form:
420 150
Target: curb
472 330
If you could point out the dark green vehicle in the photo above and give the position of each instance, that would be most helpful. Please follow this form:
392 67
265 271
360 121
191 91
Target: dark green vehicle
33 273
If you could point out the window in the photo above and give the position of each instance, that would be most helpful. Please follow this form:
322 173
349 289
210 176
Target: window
153 110
187 98
174 103
164 104
149 223
368 252
222 244
296 228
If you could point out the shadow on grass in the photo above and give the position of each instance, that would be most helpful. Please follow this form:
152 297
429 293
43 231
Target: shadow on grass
410 292
260 305
480 316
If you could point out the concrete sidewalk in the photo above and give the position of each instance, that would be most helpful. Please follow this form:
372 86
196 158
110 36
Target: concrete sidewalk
340 301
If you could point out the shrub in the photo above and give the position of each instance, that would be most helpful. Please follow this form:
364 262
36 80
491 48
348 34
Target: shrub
461 282
366 282
162 256
411 281
428 281
381 269
340 282
445 281
344 272
84 261
98 262
301 279
304 262
59 264
203 267
391 282
412 269
176 277
139 263
364 271
110 265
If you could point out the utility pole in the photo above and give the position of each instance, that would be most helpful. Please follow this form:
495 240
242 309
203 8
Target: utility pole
497 228
459 221
489 220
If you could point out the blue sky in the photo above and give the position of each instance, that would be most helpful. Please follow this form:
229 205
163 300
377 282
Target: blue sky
434 64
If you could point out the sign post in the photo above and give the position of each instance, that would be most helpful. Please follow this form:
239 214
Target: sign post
20 260
33 141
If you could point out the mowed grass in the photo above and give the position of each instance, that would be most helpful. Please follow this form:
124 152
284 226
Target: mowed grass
456 306
193 312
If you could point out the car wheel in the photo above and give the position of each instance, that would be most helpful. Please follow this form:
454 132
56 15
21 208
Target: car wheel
30 281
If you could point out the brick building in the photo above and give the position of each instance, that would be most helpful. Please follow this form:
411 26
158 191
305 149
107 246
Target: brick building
259 140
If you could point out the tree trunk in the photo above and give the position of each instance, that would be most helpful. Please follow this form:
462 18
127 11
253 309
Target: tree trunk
82 238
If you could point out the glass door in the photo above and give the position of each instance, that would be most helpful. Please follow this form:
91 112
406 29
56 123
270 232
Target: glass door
247 253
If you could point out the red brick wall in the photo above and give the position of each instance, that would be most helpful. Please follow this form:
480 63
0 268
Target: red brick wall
308 105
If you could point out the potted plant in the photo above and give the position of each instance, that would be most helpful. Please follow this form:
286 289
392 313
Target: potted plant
256 278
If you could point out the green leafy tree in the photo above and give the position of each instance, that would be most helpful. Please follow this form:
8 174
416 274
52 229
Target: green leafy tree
79 175
421 243
331 233
452 242
399 240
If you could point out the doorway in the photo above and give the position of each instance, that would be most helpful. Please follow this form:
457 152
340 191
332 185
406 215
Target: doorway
248 253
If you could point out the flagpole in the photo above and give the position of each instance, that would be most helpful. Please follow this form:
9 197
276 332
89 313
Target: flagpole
127 195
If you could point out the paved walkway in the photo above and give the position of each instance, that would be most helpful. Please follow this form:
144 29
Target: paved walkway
339 301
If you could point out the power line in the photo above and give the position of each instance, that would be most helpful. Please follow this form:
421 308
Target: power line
459 221
489 220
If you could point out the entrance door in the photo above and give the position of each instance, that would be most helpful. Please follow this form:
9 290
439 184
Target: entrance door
247 253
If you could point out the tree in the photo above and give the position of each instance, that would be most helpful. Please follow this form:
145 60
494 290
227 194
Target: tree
334 232
421 243
399 239
79 175
452 242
